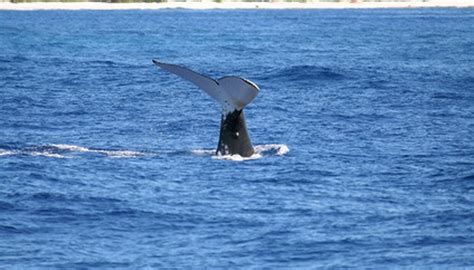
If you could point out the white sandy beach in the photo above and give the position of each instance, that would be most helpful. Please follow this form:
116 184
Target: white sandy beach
231 5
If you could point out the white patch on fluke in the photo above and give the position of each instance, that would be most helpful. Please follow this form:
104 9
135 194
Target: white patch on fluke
230 91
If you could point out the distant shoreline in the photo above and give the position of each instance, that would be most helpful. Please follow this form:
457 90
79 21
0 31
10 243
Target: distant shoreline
232 5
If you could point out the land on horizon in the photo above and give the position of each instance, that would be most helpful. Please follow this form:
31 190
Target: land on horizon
225 4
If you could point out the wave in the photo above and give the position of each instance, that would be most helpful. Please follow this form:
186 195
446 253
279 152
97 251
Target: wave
261 151
68 151
46 154
4 152
109 64
74 151
109 153
70 147
203 152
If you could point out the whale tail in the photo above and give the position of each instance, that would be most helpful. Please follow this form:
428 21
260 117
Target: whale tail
233 93
230 91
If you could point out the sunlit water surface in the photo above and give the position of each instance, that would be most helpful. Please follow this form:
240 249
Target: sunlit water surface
363 130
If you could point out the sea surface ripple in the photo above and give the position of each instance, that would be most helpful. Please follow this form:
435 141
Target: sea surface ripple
363 127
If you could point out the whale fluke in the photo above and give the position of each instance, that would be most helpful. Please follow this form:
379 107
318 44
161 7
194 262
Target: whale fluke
233 93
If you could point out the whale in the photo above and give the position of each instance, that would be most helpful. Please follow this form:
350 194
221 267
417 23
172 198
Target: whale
233 93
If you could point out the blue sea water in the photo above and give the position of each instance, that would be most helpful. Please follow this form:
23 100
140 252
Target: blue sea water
364 128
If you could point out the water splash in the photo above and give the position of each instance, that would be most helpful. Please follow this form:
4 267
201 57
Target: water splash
261 151
277 149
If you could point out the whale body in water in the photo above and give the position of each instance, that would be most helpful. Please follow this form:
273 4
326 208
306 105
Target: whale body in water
233 94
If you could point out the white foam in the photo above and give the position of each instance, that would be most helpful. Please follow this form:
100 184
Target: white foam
46 154
281 149
71 147
109 153
6 152
119 153
203 152
237 157
260 152
51 150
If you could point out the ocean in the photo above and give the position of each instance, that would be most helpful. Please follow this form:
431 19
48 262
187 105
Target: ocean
363 129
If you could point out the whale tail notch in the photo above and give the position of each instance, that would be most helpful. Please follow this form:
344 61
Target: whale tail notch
233 93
